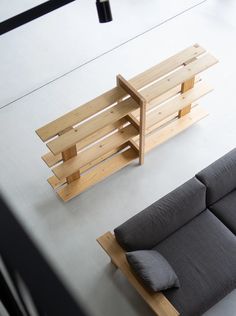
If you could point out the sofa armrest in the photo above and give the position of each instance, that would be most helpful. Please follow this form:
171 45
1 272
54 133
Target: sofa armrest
157 301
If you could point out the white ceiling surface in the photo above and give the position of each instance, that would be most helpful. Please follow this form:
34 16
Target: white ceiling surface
64 39
67 232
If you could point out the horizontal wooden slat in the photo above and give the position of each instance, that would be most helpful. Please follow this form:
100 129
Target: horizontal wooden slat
50 159
163 98
97 174
159 100
79 114
167 95
156 118
71 138
101 102
163 134
168 65
179 76
157 301
178 103
56 183
108 117
153 139
99 149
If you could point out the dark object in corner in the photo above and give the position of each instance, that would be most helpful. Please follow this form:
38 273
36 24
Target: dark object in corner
29 273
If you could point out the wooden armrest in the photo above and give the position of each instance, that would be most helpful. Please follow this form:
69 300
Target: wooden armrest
157 301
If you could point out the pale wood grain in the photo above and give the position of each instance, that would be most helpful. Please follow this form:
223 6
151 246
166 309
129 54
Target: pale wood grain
108 98
92 153
107 117
179 76
50 159
96 175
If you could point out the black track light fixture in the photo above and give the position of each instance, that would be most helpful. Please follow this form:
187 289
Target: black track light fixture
103 8
104 11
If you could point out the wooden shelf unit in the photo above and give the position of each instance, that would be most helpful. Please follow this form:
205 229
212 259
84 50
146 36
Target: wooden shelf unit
104 135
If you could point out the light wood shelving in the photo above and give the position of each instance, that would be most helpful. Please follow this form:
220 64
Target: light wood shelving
106 134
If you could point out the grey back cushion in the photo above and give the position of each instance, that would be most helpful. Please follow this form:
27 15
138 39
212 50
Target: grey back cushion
225 210
219 177
155 223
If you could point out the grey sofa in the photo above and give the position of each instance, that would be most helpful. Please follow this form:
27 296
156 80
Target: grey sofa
194 228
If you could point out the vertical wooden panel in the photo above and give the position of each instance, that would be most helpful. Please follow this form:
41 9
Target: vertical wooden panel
142 132
187 85
123 83
67 154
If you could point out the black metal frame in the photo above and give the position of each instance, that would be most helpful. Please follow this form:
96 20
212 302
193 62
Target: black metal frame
103 8
31 14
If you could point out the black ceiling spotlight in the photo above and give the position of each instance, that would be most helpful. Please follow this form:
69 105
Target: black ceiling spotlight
103 7
104 11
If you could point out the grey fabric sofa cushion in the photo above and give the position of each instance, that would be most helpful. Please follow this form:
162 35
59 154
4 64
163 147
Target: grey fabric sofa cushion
153 269
203 255
155 223
225 210
219 177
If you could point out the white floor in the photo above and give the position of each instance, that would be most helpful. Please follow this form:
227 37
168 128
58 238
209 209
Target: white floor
69 37
31 57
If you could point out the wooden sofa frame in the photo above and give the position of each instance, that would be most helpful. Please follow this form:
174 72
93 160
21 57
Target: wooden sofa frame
106 134
156 301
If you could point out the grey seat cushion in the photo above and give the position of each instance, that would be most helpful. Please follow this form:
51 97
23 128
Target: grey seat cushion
219 177
225 210
203 255
155 223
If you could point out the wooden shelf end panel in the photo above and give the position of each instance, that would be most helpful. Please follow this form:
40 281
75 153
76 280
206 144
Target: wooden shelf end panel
141 101
124 84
